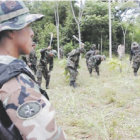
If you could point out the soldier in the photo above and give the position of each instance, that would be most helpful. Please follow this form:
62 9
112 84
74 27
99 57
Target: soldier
94 62
92 51
135 55
121 51
73 63
46 61
32 59
29 111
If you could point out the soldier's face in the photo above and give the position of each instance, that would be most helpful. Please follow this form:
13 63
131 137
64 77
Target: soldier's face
24 40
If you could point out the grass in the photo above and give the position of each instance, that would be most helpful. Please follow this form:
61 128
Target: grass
101 108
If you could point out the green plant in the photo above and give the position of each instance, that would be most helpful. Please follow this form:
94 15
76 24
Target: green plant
68 48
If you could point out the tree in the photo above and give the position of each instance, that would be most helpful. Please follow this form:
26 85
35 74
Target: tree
57 27
78 20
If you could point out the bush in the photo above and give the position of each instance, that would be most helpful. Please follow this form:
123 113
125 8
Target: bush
68 48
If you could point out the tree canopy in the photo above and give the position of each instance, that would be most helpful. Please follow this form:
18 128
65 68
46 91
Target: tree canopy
94 24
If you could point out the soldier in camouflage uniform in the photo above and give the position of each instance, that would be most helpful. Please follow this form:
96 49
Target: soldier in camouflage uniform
135 56
31 59
45 65
73 63
91 52
27 108
94 62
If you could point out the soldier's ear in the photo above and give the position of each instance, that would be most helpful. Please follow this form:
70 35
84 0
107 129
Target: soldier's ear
10 35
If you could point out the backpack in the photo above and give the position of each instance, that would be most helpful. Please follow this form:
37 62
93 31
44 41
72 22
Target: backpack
8 130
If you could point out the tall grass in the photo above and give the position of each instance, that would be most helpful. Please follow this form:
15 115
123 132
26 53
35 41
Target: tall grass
101 108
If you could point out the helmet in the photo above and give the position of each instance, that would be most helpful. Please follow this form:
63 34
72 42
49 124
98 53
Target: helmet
54 53
134 45
103 57
14 15
93 47
82 50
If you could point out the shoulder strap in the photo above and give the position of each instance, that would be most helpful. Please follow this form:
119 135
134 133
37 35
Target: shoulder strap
8 131
16 67
9 71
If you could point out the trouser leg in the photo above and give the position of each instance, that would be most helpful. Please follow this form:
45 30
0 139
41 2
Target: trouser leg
97 70
89 68
73 75
46 75
135 68
39 76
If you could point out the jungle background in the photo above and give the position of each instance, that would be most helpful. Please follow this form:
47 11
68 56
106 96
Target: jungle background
100 108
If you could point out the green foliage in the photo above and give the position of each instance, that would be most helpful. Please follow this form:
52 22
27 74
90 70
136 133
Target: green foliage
94 24
115 64
68 48
67 75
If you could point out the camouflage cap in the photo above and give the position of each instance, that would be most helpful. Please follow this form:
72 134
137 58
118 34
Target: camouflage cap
14 15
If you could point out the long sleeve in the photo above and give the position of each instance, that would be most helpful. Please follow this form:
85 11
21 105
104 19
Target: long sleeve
30 111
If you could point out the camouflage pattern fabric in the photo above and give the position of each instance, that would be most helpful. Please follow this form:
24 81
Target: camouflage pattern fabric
94 62
25 58
45 66
121 51
90 53
33 61
135 56
14 15
73 63
30 111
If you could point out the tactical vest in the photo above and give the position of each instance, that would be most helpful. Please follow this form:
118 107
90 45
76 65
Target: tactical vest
8 130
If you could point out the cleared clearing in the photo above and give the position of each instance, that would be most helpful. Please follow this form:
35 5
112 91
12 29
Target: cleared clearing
101 108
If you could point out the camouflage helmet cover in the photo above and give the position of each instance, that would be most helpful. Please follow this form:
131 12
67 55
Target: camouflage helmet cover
14 15
134 45
93 47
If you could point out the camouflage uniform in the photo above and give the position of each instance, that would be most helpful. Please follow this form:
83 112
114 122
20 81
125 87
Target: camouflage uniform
27 108
94 62
33 123
73 63
135 55
93 51
25 58
33 61
42 69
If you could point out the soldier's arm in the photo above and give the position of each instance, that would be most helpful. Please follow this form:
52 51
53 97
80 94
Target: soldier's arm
30 111
87 54
43 50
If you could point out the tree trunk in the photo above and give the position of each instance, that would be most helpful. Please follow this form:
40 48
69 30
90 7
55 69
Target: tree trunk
110 30
79 33
57 28
101 43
